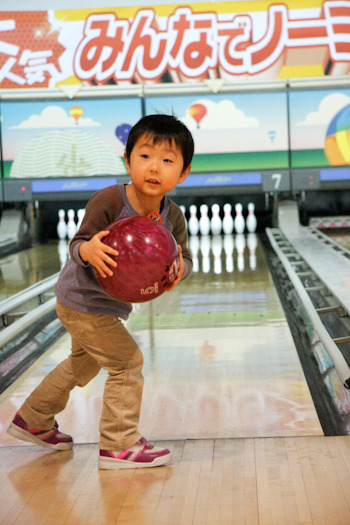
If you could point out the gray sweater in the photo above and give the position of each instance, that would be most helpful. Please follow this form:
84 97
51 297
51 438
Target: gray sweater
77 286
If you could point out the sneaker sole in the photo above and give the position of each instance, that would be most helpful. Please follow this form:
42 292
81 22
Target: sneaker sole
23 435
105 463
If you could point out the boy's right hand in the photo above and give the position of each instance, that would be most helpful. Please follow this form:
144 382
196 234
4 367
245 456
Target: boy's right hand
96 253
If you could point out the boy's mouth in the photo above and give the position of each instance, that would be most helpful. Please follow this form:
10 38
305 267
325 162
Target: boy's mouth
152 181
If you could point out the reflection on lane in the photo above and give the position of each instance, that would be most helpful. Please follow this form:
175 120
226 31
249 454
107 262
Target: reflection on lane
25 268
230 285
219 357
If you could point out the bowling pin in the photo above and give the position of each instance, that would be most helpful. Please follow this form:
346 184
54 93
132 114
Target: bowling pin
239 219
228 248
61 225
194 249
205 249
204 221
252 242
216 246
80 214
227 223
240 247
251 219
193 223
71 226
63 251
183 209
215 223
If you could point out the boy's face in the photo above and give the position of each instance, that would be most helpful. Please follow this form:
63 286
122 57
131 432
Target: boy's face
155 169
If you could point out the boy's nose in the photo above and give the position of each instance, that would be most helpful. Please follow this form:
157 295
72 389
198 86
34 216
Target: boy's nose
154 166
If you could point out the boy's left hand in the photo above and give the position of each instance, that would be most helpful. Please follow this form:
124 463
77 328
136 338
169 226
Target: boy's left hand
180 272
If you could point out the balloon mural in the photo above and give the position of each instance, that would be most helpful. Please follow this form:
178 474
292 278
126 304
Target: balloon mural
337 144
76 112
272 135
122 132
197 112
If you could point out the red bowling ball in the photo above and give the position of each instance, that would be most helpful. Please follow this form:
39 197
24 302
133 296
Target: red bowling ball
148 259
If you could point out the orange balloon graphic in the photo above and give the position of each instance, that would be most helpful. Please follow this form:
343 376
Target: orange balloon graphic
197 112
76 112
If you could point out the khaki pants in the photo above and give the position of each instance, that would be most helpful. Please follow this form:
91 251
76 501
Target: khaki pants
98 341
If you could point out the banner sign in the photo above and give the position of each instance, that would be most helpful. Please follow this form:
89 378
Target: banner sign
227 40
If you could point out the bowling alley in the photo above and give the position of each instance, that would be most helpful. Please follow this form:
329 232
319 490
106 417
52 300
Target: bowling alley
175 262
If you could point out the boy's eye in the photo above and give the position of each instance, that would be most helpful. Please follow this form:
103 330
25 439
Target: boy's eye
144 155
168 160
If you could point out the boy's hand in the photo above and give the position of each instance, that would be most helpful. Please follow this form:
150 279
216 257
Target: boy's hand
96 253
180 272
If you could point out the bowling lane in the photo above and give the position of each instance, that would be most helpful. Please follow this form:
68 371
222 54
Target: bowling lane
219 357
340 236
27 267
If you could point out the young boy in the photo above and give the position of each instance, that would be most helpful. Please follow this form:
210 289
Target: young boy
158 156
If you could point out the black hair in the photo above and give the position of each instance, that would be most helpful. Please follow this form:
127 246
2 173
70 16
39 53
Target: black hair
163 128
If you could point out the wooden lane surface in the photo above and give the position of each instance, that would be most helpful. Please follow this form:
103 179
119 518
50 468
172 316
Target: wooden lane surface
219 362
268 481
27 267
340 236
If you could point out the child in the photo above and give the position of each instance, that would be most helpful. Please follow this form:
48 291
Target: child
158 156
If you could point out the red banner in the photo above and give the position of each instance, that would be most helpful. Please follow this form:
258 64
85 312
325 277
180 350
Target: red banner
41 49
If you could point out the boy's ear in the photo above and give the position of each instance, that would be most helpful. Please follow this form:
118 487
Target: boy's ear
184 174
127 164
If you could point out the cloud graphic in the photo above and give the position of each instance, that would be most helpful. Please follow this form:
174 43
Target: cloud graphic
329 106
221 115
54 117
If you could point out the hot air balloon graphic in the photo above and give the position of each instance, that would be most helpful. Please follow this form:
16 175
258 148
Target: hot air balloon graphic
122 132
272 135
76 112
337 143
197 112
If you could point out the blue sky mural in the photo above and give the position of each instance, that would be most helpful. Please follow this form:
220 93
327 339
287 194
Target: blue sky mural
231 122
22 121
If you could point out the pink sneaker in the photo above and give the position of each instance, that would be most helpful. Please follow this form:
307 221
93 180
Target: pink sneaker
140 455
52 438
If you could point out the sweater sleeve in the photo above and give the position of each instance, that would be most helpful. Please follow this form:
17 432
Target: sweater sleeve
180 233
101 210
